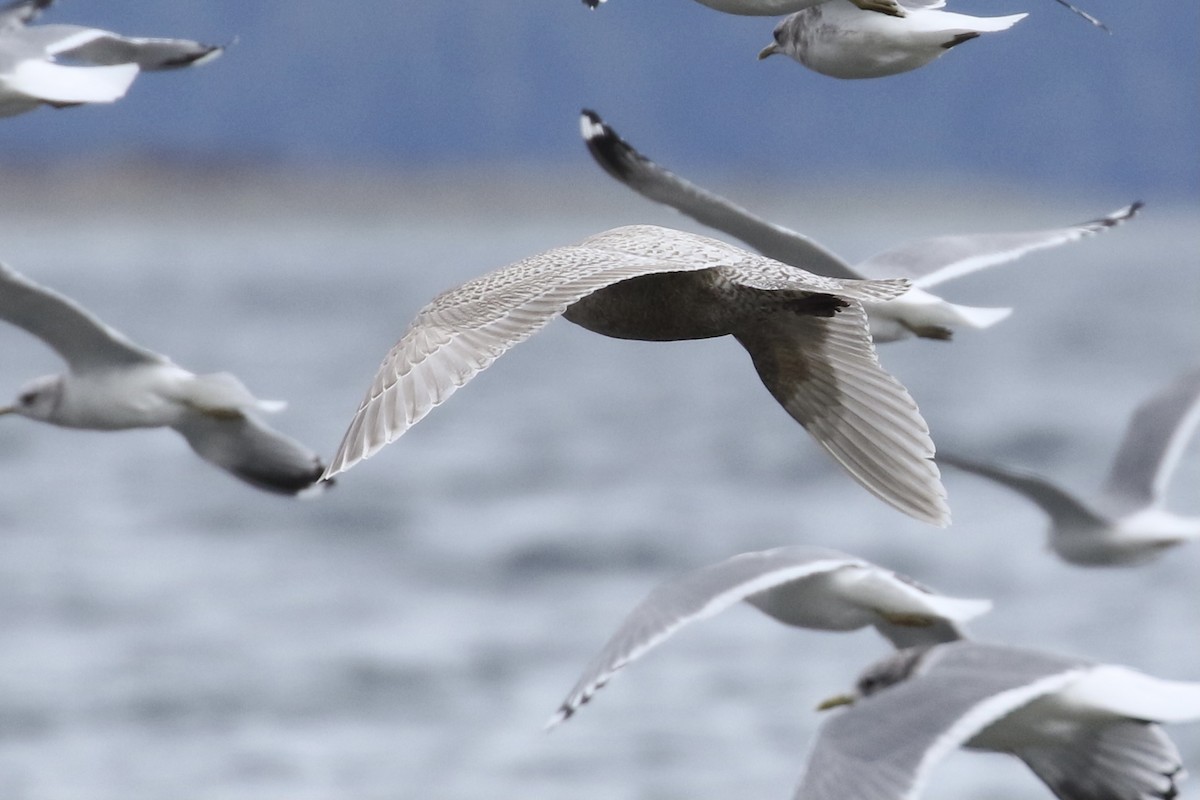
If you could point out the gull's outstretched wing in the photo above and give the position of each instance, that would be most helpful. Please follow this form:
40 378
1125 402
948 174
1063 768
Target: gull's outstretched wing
465 329
1064 509
1157 434
627 165
249 450
884 745
65 85
932 261
835 387
82 340
691 597
96 46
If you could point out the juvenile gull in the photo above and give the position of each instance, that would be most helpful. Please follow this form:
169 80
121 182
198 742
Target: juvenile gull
806 334
840 40
1126 523
807 587
113 384
925 263
1088 731
99 65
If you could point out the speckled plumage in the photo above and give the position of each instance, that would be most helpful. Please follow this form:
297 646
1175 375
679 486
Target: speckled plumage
806 334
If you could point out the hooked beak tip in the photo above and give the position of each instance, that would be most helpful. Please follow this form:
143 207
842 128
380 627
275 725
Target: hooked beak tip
769 50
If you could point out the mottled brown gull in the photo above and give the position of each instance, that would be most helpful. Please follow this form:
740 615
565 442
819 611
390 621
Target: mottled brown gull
806 334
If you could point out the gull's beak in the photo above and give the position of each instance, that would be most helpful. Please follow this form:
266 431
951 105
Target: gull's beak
835 701
769 50
7 410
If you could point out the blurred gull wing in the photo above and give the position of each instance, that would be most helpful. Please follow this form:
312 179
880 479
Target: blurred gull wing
627 165
932 261
691 597
811 587
96 46
1065 510
251 451
1157 434
82 340
465 329
884 746
63 85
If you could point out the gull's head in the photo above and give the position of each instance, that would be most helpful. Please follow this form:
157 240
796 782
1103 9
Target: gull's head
38 399
896 668
781 34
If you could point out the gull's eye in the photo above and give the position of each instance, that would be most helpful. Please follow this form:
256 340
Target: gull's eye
28 398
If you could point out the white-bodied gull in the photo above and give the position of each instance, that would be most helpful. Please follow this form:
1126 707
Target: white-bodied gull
838 39
113 384
66 65
807 587
775 8
925 263
806 334
1088 731
1126 522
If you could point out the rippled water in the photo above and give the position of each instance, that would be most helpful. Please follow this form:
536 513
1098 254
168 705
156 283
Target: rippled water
168 632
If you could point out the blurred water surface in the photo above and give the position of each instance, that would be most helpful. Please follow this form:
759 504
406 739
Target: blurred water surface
168 632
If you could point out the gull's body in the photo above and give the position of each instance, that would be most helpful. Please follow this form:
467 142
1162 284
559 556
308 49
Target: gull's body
925 263
1089 731
66 65
806 587
838 39
806 334
1126 523
113 384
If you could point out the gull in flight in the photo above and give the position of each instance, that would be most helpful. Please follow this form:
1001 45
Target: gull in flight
925 263
1126 523
1087 730
67 65
806 335
113 384
840 40
775 8
806 587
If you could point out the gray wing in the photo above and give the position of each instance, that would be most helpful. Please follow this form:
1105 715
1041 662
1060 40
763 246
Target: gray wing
1154 442
252 452
691 597
933 261
884 746
82 340
833 385
648 179
1128 758
1064 508
465 329
101 47
19 13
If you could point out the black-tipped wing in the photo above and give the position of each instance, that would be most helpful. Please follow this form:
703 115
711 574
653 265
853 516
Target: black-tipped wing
932 261
249 450
82 340
627 165
691 597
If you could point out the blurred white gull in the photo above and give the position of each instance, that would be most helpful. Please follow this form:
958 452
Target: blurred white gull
806 334
113 384
806 587
838 39
925 263
66 65
1126 523
1088 731
775 8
